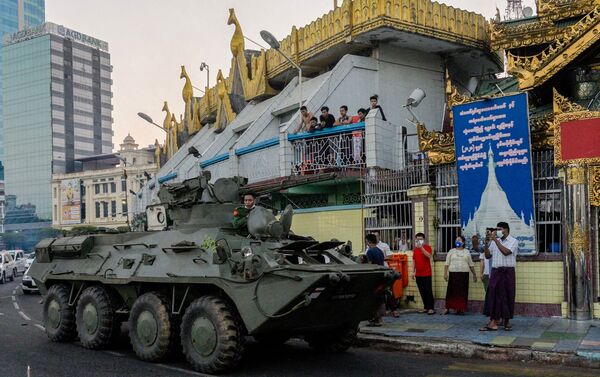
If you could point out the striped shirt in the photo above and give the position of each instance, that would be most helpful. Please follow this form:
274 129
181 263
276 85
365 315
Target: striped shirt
501 260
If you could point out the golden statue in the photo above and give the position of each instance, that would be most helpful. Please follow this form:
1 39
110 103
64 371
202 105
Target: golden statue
167 126
188 91
237 41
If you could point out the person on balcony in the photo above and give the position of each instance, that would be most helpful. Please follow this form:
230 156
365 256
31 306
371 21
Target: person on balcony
344 119
326 120
375 105
305 118
362 113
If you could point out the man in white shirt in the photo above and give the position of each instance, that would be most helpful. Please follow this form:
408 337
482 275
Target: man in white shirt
381 245
500 298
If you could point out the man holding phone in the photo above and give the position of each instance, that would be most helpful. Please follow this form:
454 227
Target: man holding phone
500 298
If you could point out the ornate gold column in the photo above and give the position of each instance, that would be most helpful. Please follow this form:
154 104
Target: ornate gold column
578 261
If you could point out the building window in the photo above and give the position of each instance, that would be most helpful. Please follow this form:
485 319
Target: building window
54 194
124 206
113 187
113 208
56 213
133 163
448 208
105 188
97 210
105 209
548 198
97 189
123 185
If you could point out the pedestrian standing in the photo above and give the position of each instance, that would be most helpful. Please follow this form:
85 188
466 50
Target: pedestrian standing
374 255
500 299
422 254
456 273
484 264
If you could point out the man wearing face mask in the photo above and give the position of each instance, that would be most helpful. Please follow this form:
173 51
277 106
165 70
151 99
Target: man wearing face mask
500 299
422 272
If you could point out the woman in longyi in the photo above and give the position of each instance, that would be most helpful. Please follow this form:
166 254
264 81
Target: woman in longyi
456 273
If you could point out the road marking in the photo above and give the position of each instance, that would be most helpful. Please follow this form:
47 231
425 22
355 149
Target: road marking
114 353
515 370
184 370
14 291
16 305
24 316
14 298
1 313
40 327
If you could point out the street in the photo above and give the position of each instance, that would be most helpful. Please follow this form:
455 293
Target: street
21 333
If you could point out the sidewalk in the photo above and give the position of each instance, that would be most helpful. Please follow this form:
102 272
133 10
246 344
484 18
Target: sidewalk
548 340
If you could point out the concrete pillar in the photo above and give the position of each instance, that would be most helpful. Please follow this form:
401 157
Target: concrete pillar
424 211
578 259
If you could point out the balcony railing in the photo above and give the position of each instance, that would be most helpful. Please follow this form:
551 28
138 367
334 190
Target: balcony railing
332 149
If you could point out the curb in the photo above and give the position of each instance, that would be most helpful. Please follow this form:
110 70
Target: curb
454 348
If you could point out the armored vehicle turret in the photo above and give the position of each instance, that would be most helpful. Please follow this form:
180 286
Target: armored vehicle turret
192 282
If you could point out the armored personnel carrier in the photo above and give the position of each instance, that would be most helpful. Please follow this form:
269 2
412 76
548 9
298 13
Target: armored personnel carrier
192 283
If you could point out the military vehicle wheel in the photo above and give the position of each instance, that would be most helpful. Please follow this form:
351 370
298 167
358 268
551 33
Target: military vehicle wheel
272 340
211 338
151 327
59 317
338 340
97 324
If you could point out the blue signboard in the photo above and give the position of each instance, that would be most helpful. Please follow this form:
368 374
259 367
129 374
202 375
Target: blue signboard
493 162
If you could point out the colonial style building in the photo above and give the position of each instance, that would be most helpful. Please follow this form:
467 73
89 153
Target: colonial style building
102 191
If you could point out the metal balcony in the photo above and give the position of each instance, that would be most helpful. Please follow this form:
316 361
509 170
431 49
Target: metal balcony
333 149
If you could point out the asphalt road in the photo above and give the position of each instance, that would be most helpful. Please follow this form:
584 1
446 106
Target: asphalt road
24 344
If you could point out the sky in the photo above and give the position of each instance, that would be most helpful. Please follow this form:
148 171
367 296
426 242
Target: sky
149 40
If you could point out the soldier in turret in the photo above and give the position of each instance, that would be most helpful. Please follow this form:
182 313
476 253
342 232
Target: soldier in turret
240 214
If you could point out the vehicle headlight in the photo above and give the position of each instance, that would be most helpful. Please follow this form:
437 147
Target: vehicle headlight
247 251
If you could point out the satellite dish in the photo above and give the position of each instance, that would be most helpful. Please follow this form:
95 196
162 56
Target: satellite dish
527 12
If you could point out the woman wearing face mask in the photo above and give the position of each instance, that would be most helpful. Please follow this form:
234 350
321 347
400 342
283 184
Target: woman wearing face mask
456 273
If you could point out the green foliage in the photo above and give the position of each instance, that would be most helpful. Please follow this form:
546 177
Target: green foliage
27 239
81 230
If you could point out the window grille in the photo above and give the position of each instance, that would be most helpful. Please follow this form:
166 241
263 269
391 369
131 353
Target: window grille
388 208
547 190
447 220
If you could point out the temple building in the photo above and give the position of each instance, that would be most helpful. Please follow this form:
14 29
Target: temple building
399 176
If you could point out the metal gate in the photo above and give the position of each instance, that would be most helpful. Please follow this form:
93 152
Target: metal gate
387 206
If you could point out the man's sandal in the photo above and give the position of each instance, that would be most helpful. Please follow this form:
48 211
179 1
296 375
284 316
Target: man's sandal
487 328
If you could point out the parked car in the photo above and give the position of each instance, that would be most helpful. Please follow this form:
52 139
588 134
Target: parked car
28 285
29 258
20 260
8 270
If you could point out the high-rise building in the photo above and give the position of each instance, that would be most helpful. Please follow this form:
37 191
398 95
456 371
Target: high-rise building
17 15
57 101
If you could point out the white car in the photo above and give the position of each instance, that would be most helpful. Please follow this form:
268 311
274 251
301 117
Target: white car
8 270
29 260
28 285
20 260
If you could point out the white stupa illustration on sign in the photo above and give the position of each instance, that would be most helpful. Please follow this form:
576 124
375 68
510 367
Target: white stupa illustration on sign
494 207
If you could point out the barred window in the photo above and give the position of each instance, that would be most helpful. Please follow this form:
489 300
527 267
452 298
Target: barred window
388 209
447 220
548 198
